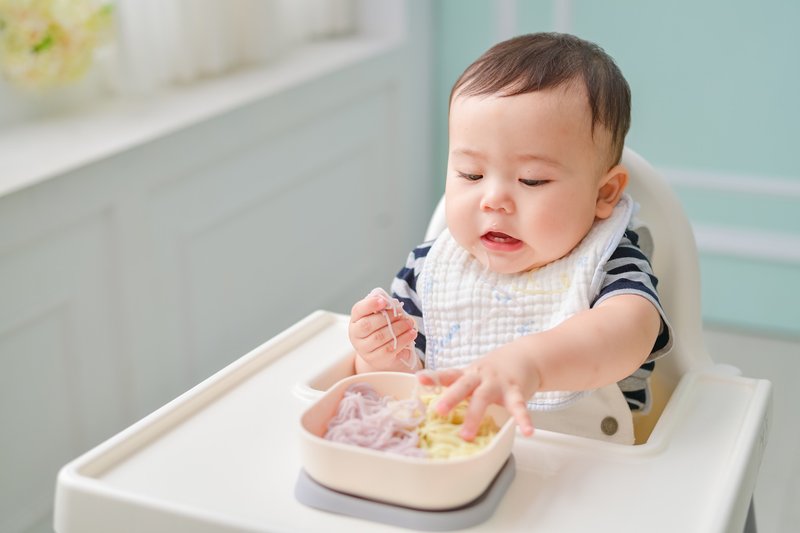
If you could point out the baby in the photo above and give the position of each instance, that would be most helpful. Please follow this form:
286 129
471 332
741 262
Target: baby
537 291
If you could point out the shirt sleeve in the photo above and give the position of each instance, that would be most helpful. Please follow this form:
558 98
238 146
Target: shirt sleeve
628 271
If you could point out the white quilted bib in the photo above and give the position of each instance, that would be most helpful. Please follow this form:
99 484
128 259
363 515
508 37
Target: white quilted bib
469 310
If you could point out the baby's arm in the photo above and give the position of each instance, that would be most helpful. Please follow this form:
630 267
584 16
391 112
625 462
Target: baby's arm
382 335
593 348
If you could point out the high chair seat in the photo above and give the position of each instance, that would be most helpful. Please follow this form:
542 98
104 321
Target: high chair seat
223 456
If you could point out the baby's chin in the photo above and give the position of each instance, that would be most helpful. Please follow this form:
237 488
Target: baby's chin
502 266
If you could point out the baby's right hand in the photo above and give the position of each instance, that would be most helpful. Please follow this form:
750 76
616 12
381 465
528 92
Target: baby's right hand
373 341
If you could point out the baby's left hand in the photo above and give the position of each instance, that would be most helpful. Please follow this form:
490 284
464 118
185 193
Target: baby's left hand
499 377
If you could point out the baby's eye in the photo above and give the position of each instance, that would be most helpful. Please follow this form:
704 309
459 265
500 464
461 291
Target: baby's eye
533 183
470 177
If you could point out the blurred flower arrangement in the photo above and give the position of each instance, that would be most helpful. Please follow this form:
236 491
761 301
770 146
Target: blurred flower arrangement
51 43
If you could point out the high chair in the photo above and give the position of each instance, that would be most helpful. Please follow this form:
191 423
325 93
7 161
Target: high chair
223 456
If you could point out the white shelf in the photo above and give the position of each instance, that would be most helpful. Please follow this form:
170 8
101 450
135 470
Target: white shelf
34 152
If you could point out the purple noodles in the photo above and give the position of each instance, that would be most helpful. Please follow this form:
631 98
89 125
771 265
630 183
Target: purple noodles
365 418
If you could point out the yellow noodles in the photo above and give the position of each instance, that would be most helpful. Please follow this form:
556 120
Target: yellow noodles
438 435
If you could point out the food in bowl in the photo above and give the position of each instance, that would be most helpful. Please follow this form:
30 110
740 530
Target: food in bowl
409 426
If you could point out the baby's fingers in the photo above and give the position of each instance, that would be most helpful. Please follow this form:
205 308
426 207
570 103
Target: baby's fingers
472 419
366 307
518 407
461 389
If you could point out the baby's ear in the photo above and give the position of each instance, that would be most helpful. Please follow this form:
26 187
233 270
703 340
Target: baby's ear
610 188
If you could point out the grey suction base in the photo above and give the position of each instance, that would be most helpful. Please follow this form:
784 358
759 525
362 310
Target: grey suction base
310 493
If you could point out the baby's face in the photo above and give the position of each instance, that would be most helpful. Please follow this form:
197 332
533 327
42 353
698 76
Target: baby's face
523 176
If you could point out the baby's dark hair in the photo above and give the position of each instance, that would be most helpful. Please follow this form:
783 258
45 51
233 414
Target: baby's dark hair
540 61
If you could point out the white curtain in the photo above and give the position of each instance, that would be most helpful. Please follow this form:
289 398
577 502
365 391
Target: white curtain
165 42
161 43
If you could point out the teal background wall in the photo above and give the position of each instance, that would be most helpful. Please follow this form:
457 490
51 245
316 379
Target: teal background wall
716 107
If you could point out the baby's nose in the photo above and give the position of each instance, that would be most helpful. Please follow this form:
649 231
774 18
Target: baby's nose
497 198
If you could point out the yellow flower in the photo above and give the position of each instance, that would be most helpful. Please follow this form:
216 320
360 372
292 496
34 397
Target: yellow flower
49 43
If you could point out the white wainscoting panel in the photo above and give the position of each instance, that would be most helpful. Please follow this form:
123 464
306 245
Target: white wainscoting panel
126 281
60 379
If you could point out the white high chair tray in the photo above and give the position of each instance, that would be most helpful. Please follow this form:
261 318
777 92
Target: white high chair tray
223 458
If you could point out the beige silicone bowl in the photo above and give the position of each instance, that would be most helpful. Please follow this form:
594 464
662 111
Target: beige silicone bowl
429 484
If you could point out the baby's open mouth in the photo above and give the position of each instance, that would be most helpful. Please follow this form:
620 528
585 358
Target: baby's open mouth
499 238
496 236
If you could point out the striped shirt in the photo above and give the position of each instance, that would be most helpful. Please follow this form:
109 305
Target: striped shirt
628 271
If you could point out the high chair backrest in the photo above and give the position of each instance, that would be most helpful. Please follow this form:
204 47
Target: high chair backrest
675 263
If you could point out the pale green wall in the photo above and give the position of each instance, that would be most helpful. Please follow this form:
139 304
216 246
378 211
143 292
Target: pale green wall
716 83
716 93
463 31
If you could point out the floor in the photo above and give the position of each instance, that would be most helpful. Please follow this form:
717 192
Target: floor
777 497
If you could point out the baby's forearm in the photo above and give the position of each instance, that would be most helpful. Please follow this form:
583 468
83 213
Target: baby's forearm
593 348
